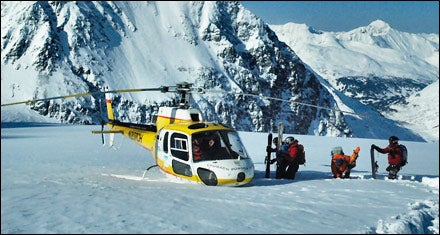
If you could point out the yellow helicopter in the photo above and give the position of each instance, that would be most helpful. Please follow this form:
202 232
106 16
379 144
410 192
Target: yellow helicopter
183 144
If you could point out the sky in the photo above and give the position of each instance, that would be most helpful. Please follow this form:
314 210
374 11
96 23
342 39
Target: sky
337 16
60 179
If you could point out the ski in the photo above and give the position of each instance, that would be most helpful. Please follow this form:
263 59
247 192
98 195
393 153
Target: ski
280 134
278 174
268 154
374 165
269 147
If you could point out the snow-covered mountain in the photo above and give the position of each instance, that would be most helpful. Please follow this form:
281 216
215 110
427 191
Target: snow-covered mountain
420 112
60 48
376 65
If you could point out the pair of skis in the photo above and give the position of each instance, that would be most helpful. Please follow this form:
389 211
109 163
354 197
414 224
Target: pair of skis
269 147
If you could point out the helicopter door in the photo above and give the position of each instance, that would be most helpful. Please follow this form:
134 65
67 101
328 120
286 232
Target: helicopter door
179 149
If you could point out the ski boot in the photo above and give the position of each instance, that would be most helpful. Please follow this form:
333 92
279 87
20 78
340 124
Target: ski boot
392 171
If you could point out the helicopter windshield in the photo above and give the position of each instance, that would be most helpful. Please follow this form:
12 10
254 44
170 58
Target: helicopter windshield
217 145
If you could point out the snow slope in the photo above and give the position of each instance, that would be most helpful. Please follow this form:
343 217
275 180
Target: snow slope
59 179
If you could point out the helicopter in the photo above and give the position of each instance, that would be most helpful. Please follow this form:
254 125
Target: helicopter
182 143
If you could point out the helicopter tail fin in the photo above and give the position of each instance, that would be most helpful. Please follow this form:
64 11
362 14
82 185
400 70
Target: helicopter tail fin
108 101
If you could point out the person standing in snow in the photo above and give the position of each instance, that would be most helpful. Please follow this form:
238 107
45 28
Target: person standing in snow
288 163
394 156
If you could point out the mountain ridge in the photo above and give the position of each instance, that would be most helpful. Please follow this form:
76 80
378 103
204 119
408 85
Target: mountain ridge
375 64
143 44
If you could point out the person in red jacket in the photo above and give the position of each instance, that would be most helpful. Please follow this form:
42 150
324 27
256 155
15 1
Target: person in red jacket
287 164
293 166
197 151
394 156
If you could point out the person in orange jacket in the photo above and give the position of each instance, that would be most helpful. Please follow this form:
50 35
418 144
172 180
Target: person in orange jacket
342 164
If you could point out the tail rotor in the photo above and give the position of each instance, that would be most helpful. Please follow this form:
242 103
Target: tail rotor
102 123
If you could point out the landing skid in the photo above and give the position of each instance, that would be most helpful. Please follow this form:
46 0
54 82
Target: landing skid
148 168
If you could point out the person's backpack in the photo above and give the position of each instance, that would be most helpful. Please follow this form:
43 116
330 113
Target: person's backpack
337 150
301 155
404 158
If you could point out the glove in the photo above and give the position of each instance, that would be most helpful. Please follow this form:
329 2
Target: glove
357 149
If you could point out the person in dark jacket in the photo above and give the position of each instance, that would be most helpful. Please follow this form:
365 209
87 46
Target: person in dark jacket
394 156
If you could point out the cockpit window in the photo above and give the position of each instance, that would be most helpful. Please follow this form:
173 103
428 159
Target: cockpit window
217 145
179 146
165 142
236 144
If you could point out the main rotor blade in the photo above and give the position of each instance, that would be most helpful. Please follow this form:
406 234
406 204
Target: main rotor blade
162 89
51 98
202 90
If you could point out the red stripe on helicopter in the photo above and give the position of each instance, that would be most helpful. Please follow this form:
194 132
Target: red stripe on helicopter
174 118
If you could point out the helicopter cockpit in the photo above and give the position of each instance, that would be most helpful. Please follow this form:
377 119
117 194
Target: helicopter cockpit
204 152
217 145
